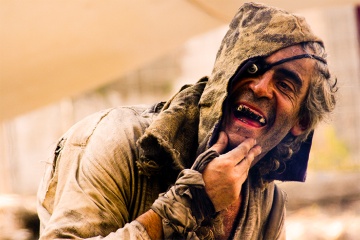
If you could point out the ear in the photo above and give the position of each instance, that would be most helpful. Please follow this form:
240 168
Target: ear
298 129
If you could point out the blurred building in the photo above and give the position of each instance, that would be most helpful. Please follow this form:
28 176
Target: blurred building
342 28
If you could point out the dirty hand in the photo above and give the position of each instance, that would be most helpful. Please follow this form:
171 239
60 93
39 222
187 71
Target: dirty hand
224 175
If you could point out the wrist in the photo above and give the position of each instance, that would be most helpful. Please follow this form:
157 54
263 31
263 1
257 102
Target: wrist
152 223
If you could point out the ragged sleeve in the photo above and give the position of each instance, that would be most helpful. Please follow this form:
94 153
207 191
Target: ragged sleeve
91 187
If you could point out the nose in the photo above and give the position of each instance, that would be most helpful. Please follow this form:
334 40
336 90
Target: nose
262 86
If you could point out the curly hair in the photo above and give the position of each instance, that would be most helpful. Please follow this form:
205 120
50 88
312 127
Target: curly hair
319 102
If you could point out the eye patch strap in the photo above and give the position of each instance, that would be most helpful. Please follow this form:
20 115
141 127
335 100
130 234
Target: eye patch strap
268 66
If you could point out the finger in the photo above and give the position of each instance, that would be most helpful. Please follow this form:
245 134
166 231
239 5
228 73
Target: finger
253 152
241 150
221 143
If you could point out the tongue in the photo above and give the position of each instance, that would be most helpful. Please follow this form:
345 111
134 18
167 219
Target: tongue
250 121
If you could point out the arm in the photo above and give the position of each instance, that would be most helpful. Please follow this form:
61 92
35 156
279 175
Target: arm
185 205
91 188
225 175
152 223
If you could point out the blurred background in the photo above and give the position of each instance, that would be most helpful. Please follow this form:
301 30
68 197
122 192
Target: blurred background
63 60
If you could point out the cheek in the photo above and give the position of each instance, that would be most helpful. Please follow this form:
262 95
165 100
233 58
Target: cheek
277 131
287 111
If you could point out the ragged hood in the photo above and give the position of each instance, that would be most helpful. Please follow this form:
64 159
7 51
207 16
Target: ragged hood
256 30
189 120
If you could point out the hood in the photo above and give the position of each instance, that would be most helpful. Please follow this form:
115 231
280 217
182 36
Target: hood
256 30
187 123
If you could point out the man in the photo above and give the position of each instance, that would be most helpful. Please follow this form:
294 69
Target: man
213 150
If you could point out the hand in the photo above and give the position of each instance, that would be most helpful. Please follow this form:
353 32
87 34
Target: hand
224 175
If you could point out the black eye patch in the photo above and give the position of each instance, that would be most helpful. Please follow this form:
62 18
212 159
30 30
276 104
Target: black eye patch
258 66
255 66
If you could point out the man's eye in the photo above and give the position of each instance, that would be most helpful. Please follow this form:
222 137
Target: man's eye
285 86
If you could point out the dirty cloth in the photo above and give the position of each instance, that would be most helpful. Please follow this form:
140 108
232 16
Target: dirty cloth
109 168
92 188
179 207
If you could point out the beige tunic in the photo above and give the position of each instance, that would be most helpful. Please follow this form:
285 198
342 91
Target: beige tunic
92 188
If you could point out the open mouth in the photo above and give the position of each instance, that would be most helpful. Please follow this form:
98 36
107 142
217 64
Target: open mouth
249 116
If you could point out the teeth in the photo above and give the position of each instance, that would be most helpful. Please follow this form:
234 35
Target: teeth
240 108
246 110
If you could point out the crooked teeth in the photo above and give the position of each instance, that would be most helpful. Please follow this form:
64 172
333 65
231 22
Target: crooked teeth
246 110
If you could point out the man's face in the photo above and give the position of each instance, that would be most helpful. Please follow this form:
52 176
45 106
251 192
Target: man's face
266 107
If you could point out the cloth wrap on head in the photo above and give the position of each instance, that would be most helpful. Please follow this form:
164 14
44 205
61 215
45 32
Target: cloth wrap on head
187 122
